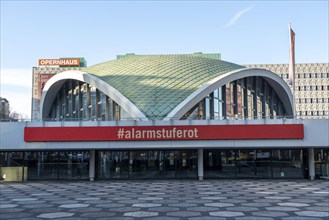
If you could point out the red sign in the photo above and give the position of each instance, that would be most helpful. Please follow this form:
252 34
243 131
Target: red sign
164 133
60 62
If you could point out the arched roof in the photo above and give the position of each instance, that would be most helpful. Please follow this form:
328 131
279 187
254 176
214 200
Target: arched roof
161 86
158 83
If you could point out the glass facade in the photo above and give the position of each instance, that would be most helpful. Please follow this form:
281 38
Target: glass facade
80 101
163 164
152 164
250 163
49 165
246 98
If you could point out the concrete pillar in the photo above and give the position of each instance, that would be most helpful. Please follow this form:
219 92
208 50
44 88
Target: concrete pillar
311 165
92 165
200 164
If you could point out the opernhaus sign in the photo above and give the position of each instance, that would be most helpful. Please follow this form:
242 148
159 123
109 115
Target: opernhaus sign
60 62
164 133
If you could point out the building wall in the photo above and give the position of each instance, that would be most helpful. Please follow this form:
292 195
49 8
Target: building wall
40 76
4 109
315 136
311 88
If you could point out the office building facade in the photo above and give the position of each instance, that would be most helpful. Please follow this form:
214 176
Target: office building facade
311 87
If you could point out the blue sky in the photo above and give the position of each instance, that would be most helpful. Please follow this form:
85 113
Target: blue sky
244 32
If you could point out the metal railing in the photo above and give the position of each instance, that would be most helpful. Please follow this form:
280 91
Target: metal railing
164 118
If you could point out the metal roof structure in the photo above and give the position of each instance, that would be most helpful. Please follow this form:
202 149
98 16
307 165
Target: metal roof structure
161 87
156 84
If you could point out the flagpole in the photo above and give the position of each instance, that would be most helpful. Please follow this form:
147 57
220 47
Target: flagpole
291 80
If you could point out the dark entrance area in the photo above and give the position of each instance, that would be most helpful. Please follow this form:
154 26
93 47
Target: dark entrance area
45 165
251 163
155 164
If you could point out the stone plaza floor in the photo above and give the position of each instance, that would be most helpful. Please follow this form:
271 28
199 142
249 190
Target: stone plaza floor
166 199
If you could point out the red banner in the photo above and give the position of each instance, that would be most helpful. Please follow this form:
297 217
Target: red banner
164 133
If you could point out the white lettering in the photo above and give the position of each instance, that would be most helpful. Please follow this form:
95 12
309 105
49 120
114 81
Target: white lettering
164 133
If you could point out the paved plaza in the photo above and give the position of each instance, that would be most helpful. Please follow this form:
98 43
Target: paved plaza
166 199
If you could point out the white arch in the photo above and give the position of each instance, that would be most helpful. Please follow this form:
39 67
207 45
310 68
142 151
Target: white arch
279 85
55 83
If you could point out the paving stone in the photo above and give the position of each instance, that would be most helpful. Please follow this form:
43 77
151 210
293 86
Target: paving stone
253 218
15 215
146 205
184 214
37 206
162 218
206 218
110 205
282 208
24 199
98 214
5 206
219 204
270 213
256 204
202 209
242 209
319 208
117 218
294 204
226 214
163 209
151 198
313 214
124 209
11 210
74 205
182 205
141 214
233 199
300 218
55 215
214 197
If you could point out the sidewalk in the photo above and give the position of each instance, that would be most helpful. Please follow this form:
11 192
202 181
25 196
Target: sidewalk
166 199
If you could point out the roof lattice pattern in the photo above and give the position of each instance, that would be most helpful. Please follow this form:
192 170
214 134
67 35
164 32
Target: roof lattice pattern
158 83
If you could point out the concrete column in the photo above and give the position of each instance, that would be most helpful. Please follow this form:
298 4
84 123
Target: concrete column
92 165
311 165
200 164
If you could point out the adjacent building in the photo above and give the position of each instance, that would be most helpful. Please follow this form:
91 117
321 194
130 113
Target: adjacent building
311 90
4 109
46 69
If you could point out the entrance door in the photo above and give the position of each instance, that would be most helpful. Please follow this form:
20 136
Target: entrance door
253 164
180 164
219 163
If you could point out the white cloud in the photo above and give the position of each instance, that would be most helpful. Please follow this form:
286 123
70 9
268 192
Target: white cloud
237 16
16 87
